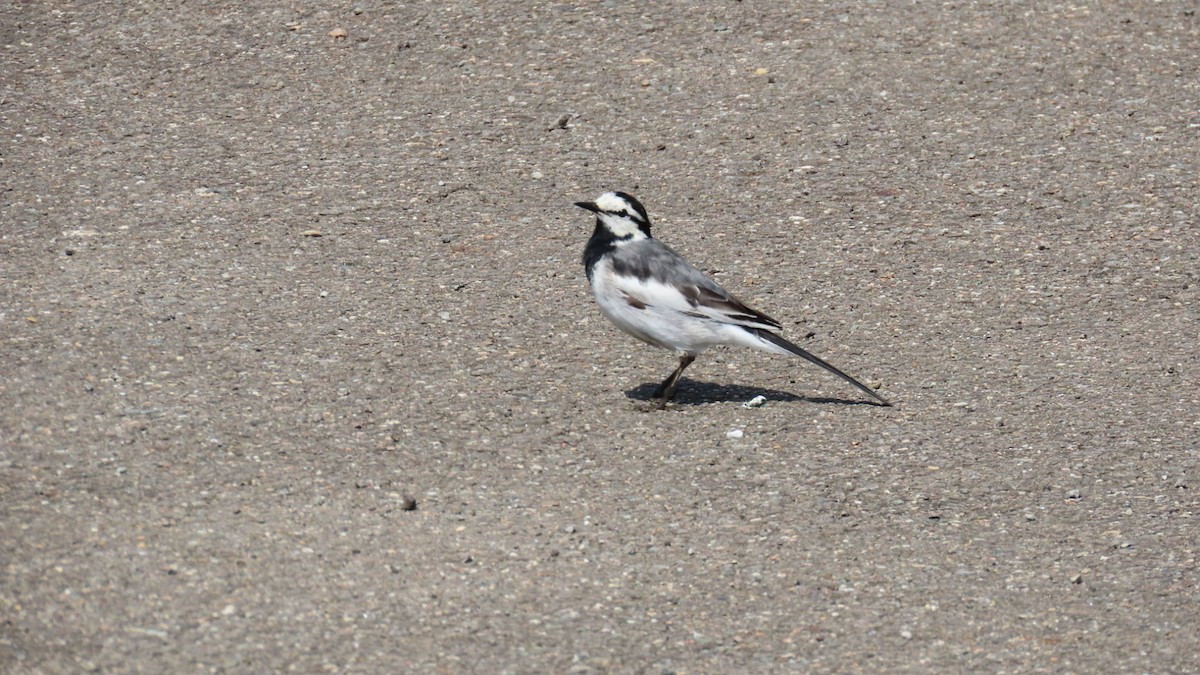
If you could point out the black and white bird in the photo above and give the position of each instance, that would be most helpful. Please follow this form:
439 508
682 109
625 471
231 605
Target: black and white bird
655 295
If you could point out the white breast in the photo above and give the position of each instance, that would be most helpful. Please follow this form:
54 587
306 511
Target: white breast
615 306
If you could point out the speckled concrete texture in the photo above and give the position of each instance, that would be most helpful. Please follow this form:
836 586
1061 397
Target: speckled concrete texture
300 370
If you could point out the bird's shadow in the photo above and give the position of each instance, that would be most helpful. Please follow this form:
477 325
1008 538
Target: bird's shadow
701 393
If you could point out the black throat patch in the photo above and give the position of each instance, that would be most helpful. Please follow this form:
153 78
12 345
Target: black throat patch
603 241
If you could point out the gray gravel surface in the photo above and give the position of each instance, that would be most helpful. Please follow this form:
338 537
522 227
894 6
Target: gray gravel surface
300 370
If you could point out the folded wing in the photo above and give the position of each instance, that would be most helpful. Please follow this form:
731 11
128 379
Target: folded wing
657 276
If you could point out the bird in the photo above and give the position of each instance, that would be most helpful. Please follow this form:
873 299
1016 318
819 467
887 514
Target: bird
654 294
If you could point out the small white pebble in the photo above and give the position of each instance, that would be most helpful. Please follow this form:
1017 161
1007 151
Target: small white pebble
756 402
734 433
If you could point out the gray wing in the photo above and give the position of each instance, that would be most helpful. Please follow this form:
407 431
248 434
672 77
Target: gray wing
661 270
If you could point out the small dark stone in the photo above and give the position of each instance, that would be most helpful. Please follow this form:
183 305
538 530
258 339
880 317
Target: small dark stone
408 503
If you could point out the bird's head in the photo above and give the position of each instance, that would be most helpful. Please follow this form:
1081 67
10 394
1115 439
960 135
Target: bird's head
621 214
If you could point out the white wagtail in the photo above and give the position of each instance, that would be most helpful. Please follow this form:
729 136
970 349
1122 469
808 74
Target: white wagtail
655 295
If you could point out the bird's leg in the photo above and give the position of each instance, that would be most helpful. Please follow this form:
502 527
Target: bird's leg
666 390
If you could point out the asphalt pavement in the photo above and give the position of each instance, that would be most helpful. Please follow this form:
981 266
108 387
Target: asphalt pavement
300 370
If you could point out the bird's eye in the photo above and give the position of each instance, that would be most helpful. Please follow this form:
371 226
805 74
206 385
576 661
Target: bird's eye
623 213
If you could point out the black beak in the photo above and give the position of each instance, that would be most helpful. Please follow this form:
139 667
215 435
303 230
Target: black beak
590 206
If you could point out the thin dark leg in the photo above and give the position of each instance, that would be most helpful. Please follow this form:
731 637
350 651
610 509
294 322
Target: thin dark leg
666 390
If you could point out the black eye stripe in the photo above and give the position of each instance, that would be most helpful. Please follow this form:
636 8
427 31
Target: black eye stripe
634 215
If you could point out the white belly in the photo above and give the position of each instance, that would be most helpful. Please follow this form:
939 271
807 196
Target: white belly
644 313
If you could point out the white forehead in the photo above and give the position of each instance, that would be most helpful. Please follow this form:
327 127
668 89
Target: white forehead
609 201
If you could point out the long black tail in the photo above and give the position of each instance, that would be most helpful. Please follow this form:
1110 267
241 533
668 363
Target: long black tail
780 342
